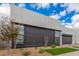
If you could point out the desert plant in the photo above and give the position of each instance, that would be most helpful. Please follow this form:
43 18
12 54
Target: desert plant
41 50
21 49
8 31
53 45
27 53
35 47
3 45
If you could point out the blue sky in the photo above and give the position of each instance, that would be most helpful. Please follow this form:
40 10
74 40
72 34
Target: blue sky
64 12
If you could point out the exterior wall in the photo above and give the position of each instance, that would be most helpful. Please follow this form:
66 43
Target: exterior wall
73 32
24 16
66 30
36 36
76 36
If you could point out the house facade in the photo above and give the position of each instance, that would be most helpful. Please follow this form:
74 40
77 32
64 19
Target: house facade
39 30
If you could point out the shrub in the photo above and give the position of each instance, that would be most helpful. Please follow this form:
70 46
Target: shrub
53 45
3 45
41 51
35 47
21 49
26 53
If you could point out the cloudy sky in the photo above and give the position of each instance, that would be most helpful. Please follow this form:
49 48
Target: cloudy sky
68 14
5 8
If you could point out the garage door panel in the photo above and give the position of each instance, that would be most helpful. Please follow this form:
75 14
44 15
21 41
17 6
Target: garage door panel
36 36
66 39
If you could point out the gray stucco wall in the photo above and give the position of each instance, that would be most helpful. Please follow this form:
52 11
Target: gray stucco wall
22 15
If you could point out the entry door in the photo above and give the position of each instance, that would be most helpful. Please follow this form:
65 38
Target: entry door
66 39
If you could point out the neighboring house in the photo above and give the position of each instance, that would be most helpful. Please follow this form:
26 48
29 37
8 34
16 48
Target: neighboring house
37 29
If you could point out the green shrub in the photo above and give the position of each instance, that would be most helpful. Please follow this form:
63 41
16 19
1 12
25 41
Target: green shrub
27 53
53 45
41 51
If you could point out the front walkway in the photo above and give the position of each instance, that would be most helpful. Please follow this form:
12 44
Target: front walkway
75 53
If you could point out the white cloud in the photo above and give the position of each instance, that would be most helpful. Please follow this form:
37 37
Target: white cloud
21 5
75 18
74 24
56 16
55 4
63 5
33 5
69 25
63 13
40 5
63 21
72 7
75 21
5 8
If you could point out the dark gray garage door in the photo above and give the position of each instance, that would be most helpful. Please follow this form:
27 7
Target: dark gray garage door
36 36
66 39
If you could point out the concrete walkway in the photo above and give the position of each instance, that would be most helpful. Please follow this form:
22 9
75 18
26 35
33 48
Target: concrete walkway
75 53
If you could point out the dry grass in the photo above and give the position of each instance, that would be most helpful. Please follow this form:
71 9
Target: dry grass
32 51
21 51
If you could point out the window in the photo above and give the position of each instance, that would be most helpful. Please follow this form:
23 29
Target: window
20 39
57 34
21 30
21 35
57 37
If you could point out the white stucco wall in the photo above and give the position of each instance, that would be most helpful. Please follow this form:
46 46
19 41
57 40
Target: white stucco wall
66 30
76 36
73 32
22 15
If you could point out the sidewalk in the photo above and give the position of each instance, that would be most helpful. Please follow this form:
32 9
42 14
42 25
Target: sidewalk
75 53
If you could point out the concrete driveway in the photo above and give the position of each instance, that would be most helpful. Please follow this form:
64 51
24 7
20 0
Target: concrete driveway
75 53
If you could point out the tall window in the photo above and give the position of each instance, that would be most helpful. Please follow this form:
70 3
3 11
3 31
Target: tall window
57 37
57 34
21 35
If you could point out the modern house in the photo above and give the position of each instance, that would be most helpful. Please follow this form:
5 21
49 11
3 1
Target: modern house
37 29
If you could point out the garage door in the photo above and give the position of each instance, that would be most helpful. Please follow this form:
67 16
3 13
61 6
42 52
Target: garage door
66 39
36 36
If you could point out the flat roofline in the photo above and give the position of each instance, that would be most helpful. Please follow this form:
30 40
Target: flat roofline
38 13
38 19
36 26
